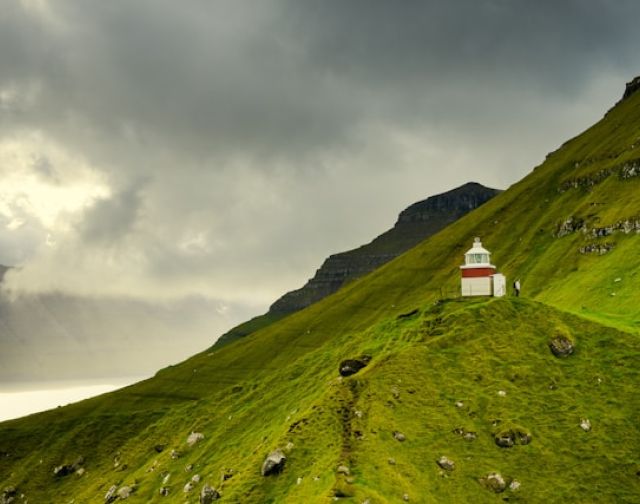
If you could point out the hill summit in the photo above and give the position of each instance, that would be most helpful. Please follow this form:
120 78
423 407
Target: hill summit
389 391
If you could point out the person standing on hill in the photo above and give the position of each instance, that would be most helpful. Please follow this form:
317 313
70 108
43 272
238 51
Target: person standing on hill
516 287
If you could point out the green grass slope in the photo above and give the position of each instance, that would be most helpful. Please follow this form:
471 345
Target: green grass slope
279 387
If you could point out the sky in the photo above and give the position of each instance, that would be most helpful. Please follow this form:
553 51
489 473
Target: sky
159 150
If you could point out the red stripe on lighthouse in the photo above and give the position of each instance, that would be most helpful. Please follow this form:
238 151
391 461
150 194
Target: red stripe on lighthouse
478 272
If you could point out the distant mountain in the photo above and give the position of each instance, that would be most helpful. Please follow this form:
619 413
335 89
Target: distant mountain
414 224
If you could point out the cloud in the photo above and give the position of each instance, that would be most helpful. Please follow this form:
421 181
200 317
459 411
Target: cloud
224 149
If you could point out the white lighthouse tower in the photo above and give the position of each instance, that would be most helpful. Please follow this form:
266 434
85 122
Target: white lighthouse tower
479 276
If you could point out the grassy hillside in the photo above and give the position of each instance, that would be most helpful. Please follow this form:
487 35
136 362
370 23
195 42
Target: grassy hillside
561 230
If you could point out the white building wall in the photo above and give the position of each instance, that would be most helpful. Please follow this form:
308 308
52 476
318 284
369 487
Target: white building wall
499 285
477 286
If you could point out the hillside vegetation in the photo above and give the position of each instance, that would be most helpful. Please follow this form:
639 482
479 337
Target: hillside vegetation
447 378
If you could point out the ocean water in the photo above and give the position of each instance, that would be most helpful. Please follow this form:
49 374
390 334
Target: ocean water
25 398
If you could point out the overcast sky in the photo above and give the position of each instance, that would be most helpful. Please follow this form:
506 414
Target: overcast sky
223 147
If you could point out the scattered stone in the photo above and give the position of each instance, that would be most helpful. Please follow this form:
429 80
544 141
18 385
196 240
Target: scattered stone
274 463
125 492
358 413
289 446
195 437
196 478
80 471
446 463
514 485
8 495
512 436
175 454
495 482
111 495
299 480
392 461
561 346
585 424
405 497
165 479
159 448
66 469
188 487
228 474
343 469
459 404
208 494
399 436
349 367
466 435
188 468
502 393
164 491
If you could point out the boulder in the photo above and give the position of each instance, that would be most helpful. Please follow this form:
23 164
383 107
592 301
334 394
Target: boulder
274 463
511 436
111 495
585 424
208 495
195 437
349 367
561 346
446 463
125 492
343 469
494 482
8 495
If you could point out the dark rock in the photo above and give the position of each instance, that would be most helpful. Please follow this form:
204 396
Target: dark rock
159 448
8 495
561 346
631 88
63 470
510 437
111 495
208 495
349 367
274 463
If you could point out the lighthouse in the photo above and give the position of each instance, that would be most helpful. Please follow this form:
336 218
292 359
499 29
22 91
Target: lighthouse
479 276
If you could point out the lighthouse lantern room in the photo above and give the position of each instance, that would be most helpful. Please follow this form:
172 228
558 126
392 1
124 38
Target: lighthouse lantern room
479 276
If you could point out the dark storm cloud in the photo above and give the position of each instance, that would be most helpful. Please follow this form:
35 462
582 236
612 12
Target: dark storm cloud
270 133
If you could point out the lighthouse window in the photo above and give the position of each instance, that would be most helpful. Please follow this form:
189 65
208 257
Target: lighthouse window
478 259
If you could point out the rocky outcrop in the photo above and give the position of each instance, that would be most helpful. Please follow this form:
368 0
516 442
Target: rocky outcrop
414 224
561 346
631 88
274 463
349 367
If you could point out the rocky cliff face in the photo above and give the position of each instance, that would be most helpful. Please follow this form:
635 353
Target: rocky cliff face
414 224
632 87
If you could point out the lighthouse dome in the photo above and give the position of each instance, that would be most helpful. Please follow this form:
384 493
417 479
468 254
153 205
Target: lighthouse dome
477 255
